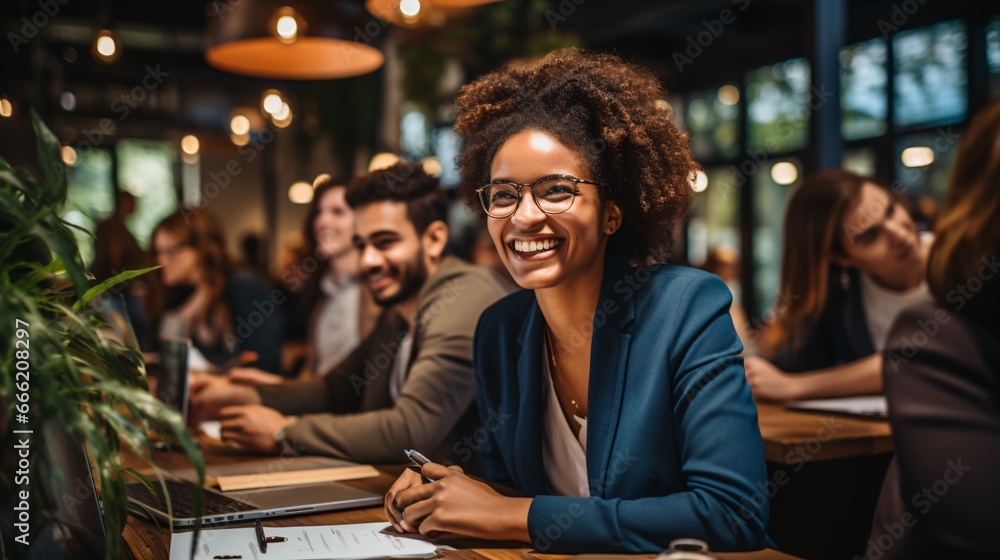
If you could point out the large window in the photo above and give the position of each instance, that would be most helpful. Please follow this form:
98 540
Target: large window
993 55
863 82
712 117
772 187
715 218
778 106
146 169
930 80
860 161
90 196
924 162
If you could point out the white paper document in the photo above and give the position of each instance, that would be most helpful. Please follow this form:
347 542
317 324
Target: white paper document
340 542
874 406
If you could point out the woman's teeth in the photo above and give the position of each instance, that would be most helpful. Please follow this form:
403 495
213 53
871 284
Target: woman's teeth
532 246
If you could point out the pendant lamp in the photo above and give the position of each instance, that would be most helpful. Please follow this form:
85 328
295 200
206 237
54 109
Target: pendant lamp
303 40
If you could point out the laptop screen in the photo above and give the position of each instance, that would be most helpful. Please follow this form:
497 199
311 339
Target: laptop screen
172 379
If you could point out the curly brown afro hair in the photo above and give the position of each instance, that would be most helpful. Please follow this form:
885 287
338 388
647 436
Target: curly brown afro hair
607 109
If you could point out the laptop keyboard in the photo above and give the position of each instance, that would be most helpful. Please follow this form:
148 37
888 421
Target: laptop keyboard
182 500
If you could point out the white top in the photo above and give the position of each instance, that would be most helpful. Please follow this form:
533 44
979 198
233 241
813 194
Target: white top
564 455
337 331
883 305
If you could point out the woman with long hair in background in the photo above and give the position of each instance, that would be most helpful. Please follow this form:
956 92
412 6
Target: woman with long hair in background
224 313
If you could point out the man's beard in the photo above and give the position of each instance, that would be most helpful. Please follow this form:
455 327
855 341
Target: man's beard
411 283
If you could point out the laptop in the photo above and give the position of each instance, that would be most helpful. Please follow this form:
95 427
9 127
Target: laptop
173 377
225 507
172 389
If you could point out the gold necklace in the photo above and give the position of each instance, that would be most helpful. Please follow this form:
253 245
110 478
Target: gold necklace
555 371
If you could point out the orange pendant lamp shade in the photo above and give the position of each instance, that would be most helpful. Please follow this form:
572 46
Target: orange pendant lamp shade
306 40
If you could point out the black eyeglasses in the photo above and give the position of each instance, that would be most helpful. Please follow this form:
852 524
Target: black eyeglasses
553 194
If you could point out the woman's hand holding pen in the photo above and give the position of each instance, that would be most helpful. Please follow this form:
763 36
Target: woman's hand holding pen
454 505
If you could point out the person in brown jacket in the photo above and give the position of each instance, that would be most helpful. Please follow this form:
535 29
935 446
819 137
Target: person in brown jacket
941 496
410 383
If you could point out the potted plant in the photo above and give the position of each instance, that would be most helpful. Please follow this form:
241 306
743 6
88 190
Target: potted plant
57 368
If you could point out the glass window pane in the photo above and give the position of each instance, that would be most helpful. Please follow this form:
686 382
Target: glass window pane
146 169
861 161
90 197
993 55
863 81
712 117
923 167
715 218
778 113
770 200
930 79
413 135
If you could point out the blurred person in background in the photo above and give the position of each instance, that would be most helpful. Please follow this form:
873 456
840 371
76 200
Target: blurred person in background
942 377
341 311
224 313
851 261
410 383
724 261
115 251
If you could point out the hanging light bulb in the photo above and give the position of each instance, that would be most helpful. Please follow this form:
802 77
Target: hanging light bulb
240 125
283 117
300 193
106 46
286 25
270 101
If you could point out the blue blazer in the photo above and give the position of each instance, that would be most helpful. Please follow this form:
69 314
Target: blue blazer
673 445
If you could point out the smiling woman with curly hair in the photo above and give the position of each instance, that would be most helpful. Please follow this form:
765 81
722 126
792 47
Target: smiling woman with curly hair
611 390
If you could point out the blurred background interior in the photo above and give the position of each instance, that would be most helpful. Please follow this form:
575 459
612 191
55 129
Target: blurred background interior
143 99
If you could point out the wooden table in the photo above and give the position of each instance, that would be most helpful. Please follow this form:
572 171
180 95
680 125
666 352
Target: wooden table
792 437
144 540
825 473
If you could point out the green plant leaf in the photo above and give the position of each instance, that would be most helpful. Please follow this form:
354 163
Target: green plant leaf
108 284
17 234
10 205
50 160
9 177
41 273
79 228
61 242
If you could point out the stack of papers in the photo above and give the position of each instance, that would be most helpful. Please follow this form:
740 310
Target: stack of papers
335 542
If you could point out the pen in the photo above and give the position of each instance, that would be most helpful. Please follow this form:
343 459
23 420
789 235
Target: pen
418 458
261 540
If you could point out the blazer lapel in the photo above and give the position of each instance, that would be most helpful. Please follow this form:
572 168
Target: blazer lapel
528 430
608 358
